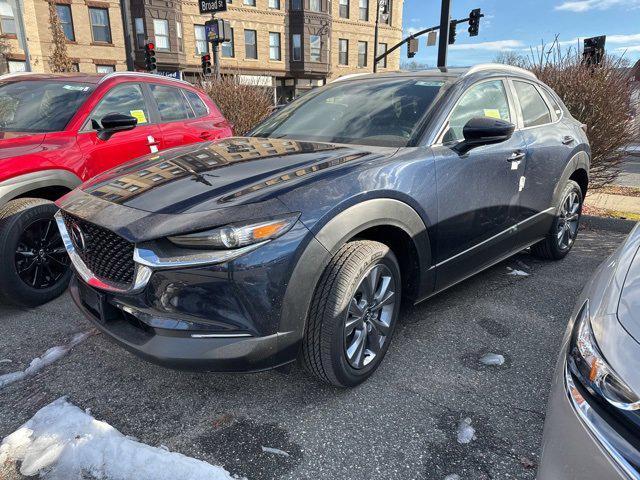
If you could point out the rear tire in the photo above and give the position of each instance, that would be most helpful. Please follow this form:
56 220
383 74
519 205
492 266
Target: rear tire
34 265
353 314
564 230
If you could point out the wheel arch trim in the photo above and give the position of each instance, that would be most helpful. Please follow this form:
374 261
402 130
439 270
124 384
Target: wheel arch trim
579 161
21 184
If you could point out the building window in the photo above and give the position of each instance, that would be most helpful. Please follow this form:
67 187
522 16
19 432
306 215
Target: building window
161 33
202 46
382 48
387 18
16 66
314 48
249 3
274 4
66 21
364 10
362 54
179 35
7 20
100 28
250 44
140 37
315 5
343 55
105 68
344 8
296 47
228 48
274 46
296 4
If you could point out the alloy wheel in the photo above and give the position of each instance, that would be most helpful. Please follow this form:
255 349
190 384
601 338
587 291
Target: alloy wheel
568 221
40 258
370 317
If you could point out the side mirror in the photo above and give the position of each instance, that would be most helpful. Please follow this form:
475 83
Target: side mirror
485 131
114 123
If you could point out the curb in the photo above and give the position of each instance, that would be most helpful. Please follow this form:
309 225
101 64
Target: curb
605 223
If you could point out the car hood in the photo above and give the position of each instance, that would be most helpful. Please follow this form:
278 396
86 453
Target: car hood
13 144
208 176
629 305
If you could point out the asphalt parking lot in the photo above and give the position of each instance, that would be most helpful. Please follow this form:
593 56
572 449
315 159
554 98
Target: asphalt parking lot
401 424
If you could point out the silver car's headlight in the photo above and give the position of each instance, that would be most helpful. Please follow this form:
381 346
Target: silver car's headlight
237 235
586 362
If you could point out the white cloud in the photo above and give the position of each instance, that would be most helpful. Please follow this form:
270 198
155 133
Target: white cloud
489 46
586 5
629 49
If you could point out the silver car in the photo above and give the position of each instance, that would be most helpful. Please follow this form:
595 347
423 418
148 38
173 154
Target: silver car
592 428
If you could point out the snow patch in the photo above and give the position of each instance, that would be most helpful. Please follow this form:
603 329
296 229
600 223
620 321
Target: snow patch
62 442
492 359
275 451
466 433
516 273
50 356
453 476
6 360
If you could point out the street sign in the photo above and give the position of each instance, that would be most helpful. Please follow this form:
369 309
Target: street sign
212 6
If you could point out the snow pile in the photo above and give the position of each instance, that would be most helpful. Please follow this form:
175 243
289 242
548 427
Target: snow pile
466 433
50 356
492 359
62 442
275 451
516 273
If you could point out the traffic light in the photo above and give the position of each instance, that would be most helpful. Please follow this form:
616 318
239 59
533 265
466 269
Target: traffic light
206 64
474 22
452 32
150 57
412 47
594 50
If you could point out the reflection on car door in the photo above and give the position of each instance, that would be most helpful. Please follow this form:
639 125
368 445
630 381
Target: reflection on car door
179 123
477 191
550 145
100 155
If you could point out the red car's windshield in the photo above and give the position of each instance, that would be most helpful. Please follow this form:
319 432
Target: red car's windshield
40 105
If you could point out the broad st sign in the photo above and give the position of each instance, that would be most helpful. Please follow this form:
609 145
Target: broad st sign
212 6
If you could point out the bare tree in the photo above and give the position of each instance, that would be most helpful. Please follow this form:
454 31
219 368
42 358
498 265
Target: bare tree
59 60
4 48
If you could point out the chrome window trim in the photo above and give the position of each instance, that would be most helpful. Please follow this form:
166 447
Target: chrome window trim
603 433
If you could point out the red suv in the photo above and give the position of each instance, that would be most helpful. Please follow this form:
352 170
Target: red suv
57 131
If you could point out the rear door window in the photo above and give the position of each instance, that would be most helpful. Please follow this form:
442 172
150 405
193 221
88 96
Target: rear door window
199 108
486 99
126 99
534 109
172 105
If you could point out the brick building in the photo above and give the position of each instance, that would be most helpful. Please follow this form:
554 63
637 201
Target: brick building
95 37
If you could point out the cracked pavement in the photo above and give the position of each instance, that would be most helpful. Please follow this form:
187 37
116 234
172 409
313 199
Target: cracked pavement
402 423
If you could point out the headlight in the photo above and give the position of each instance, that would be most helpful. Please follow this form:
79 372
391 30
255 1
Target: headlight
588 364
237 235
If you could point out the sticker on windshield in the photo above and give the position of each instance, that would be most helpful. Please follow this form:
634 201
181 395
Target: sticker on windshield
139 115
76 88
423 83
492 113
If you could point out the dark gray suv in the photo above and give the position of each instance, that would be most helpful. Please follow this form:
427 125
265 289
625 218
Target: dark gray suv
300 240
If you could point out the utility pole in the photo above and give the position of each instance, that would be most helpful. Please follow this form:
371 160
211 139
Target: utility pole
216 59
125 12
443 44
381 7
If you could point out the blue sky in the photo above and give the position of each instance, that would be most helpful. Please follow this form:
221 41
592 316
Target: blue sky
518 24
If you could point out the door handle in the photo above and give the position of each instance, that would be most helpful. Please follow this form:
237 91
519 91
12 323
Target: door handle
568 140
516 156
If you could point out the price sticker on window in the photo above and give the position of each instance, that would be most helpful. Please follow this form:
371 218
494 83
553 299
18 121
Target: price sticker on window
139 115
492 113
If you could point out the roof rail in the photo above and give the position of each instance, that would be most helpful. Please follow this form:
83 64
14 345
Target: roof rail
501 67
143 74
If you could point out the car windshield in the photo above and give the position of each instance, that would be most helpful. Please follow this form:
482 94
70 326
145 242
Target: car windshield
40 105
380 112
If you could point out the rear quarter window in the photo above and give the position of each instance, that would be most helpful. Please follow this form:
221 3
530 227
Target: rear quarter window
534 109
172 105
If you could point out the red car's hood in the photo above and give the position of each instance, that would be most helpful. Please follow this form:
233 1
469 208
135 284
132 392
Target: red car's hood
13 144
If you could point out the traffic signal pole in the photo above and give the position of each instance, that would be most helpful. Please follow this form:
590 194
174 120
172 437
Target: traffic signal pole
443 44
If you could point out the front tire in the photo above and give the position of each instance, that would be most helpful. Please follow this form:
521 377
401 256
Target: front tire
353 314
564 230
33 260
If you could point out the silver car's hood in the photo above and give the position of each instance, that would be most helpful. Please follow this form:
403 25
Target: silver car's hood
629 306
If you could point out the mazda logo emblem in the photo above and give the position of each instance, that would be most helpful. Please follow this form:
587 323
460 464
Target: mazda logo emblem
78 239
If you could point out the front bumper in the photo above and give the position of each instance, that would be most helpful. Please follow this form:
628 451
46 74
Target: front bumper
578 443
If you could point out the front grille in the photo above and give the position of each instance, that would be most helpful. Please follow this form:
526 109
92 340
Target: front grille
107 255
